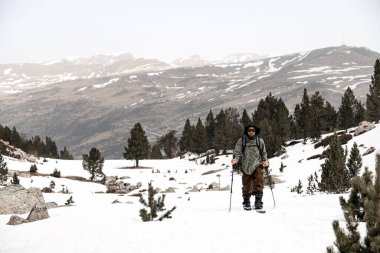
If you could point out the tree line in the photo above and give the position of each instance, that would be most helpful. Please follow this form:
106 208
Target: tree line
34 146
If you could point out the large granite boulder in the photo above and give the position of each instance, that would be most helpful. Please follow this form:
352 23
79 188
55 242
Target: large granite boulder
15 199
363 127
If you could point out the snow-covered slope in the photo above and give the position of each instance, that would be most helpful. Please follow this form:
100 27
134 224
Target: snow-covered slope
201 222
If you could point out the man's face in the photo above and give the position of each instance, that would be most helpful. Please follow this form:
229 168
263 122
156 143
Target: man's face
251 131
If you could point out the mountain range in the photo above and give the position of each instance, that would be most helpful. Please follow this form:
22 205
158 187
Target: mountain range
95 101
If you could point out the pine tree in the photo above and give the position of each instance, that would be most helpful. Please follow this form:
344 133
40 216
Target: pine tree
354 161
330 117
220 132
138 145
3 170
335 176
316 113
93 163
210 129
15 179
359 113
304 117
33 169
56 173
346 114
154 206
65 154
272 141
245 119
233 127
373 98
168 143
186 141
372 212
200 140
156 152
297 188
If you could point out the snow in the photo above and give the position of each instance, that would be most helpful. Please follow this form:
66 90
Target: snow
201 222
103 85
253 64
7 71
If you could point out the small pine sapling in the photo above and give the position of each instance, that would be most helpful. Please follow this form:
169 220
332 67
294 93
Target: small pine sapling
154 206
70 201
297 188
33 169
15 179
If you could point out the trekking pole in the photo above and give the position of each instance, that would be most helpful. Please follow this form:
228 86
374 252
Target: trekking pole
232 181
270 183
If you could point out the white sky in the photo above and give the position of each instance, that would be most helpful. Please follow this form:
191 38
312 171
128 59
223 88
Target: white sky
44 30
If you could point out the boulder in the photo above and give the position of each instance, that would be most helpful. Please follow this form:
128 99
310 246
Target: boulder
50 205
16 220
38 212
15 199
369 151
363 127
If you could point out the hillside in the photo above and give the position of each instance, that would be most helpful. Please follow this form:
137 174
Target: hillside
99 105
201 223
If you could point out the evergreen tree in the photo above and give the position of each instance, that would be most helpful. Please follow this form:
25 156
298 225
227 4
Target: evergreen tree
330 117
33 169
346 110
65 154
186 141
210 129
93 163
335 176
272 142
295 119
316 113
56 173
373 98
168 143
156 152
3 170
200 140
354 161
220 136
304 117
15 179
245 119
359 113
138 145
233 127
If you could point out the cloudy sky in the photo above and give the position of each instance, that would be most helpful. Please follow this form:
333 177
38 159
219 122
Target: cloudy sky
45 30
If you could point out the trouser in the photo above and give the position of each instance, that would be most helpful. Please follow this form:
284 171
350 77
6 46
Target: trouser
253 183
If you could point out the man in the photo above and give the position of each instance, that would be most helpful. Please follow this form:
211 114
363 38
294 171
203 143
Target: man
251 149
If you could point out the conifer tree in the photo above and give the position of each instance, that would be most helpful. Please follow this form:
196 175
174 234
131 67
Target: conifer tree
15 179
347 110
168 143
3 170
245 119
234 129
316 113
304 116
65 154
354 161
330 117
156 152
220 132
186 141
200 140
359 113
373 98
335 177
33 169
210 129
138 145
93 163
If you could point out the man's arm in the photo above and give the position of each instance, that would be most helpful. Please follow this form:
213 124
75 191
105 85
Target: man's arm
237 152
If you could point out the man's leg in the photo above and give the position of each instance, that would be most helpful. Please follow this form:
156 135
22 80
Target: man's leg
258 187
247 190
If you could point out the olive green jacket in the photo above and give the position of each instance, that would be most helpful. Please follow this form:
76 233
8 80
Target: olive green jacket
251 158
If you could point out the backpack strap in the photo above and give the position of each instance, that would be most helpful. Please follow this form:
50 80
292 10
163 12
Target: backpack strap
259 146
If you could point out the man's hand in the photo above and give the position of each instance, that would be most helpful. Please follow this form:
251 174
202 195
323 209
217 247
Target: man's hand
265 163
233 161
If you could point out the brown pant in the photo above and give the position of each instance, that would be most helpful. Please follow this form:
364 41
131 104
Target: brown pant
253 183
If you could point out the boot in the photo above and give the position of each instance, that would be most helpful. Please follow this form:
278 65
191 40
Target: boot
259 200
246 203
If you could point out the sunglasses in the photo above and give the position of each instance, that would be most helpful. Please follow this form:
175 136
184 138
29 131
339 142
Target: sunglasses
251 130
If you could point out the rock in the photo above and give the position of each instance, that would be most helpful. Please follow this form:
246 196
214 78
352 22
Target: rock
16 220
15 199
285 156
115 201
369 151
50 205
363 127
314 157
38 212
169 190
